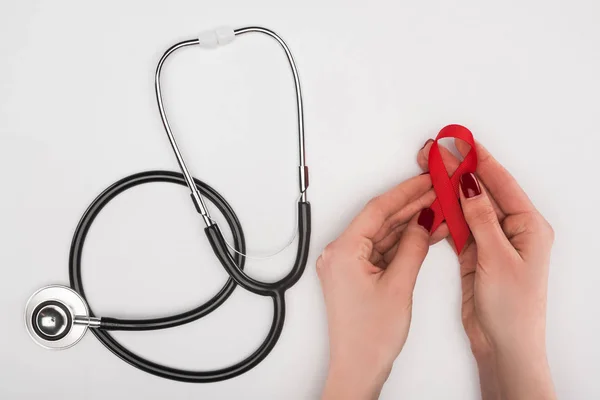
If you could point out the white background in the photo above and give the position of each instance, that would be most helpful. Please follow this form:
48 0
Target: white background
77 112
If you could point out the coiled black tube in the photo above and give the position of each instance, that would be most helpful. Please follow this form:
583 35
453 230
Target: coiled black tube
232 263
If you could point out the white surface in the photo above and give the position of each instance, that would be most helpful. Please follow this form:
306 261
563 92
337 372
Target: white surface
77 112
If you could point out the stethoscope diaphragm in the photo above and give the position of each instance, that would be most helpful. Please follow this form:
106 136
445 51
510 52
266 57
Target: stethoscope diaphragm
55 317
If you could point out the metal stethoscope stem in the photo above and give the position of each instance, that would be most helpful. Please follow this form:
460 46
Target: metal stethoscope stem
196 196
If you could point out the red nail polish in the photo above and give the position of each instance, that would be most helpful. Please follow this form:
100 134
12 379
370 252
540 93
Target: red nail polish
470 186
428 140
426 218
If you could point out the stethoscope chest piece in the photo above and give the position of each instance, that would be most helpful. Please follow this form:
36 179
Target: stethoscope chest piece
56 317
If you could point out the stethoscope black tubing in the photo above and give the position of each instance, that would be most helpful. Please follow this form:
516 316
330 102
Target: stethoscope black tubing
262 288
104 198
230 263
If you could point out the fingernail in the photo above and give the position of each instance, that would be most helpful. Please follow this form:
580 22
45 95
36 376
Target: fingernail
426 218
428 140
424 173
470 186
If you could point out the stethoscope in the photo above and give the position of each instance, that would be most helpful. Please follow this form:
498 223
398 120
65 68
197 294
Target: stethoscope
57 317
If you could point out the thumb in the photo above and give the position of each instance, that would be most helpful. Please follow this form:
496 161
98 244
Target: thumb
480 215
412 248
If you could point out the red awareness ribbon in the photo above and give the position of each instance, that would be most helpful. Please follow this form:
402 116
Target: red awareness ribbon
447 205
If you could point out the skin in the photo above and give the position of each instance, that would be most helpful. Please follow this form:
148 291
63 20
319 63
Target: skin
368 276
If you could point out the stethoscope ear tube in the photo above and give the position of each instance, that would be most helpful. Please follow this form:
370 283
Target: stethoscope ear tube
219 246
304 230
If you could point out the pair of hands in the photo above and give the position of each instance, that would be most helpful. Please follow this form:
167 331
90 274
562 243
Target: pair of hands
368 275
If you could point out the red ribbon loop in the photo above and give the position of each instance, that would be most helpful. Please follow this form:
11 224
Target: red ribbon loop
447 205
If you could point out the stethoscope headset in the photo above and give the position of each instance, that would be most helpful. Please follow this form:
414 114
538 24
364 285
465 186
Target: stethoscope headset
57 317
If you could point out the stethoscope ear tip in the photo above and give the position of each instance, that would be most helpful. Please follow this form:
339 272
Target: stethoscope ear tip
51 314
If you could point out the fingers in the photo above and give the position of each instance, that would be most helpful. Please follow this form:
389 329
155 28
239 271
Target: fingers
481 217
501 185
370 220
392 229
531 236
413 247
385 251
404 215
441 233
383 245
